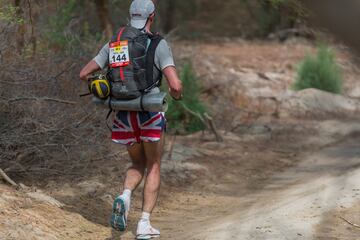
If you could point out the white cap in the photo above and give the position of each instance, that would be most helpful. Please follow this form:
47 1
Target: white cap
140 10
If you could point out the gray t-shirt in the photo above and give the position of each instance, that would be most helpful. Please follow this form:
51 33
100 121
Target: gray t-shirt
163 56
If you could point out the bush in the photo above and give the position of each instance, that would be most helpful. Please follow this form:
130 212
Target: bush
8 14
320 72
68 33
179 119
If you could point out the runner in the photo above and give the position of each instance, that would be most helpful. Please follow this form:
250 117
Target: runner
141 132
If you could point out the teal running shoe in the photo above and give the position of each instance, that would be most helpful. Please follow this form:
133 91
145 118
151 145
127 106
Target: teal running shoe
118 218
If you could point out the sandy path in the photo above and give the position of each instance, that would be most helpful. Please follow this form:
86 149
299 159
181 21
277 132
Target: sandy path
294 202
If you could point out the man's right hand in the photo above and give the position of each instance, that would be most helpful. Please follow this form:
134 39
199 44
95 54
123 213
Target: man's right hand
90 68
175 85
176 95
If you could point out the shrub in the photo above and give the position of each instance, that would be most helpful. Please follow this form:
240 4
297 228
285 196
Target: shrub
67 33
8 15
320 72
179 119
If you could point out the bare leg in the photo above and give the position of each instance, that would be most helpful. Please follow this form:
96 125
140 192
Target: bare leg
135 173
153 153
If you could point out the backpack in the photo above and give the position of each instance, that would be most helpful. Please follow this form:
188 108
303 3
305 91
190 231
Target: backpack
131 63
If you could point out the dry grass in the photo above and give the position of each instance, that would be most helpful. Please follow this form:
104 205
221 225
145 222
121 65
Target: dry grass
45 128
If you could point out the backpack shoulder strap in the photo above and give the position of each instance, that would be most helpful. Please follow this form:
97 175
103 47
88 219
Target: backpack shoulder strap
117 35
150 60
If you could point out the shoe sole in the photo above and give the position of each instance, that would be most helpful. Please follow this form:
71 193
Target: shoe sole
118 220
147 236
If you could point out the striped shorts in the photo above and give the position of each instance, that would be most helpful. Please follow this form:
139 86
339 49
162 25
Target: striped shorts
134 127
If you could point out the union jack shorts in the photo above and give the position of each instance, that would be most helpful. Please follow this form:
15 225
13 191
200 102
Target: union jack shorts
134 127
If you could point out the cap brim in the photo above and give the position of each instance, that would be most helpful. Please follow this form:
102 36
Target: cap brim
137 23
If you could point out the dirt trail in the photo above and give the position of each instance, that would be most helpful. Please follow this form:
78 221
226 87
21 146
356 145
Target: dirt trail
294 202
263 182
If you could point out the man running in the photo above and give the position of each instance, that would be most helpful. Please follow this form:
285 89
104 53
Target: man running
141 132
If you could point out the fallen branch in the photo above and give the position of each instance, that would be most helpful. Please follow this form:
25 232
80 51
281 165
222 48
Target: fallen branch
67 69
213 128
171 148
198 115
17 167
22 82
83 120
54 77
41 99
47 171
209 123
352 224
8 179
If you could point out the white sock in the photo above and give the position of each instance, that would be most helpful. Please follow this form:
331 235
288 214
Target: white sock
127 194
145 217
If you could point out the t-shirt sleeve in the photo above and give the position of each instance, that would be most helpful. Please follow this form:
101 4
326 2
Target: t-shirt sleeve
102 59
163 55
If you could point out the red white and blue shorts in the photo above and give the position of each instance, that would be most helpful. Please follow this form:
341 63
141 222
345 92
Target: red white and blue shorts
134 127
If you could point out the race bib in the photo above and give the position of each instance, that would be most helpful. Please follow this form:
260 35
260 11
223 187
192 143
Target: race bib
119 54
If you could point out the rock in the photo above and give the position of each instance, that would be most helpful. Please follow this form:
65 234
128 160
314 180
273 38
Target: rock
313 102
263 92
90 187
24 187
259 129
355 92
42 197
182 153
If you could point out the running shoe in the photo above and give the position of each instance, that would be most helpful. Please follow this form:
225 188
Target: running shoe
146 231
118 218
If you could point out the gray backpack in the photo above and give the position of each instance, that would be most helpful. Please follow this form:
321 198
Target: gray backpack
131 63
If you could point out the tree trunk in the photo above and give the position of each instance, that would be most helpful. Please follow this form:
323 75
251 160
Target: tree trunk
32 18
20 35
104 17
268 19
169 16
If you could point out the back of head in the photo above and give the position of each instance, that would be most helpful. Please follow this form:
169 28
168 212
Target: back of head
140 11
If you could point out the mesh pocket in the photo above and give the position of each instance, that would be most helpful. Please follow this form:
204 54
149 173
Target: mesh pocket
139 63
140 78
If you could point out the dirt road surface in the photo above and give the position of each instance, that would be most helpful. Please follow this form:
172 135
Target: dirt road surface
293 204
243 191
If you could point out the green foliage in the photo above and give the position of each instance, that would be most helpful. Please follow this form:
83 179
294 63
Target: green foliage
268 16
277 3
320 72
59 33
70 31
179 119
8 14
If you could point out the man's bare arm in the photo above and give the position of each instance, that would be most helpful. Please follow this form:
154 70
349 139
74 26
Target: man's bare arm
90 68
175 85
